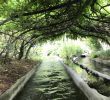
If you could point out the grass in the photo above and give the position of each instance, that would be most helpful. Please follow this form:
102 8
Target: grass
68 50
101 86
103 54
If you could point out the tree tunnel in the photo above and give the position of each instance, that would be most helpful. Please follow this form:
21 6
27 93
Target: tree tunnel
26 26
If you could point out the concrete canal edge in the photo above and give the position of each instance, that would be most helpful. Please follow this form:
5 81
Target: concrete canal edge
90 93
18 86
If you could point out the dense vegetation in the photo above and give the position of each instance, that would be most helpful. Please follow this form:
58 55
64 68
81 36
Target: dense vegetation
25 23
94 44
102 54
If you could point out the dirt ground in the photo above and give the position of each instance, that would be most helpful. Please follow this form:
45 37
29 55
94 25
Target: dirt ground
10 72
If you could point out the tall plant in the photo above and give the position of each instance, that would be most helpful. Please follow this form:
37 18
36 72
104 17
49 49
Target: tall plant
68 50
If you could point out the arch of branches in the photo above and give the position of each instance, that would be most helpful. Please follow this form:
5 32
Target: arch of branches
23 23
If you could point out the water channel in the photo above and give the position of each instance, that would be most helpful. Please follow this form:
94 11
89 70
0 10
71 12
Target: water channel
98 67
51 82
103 87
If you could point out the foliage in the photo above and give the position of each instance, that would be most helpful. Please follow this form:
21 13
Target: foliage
25 23
94 44
68 50
101 54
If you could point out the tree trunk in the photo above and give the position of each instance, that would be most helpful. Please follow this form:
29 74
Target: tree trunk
28 50
21 53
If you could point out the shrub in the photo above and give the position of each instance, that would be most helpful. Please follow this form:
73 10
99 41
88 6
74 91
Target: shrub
101 54
68 50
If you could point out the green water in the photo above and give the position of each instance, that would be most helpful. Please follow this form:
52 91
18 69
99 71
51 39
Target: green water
50 82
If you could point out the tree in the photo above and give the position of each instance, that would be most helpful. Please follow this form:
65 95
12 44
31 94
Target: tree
94 44
43 20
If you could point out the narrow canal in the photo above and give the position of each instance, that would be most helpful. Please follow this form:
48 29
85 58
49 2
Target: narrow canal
96 66
50 82
103 87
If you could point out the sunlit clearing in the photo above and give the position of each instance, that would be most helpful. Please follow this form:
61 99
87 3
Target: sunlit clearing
105 46
47 49
80 43
57 47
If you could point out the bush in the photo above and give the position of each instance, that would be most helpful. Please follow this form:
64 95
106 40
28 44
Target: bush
101 54
68 50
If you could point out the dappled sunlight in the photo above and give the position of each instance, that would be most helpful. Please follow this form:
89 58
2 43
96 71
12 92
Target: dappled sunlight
57 47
